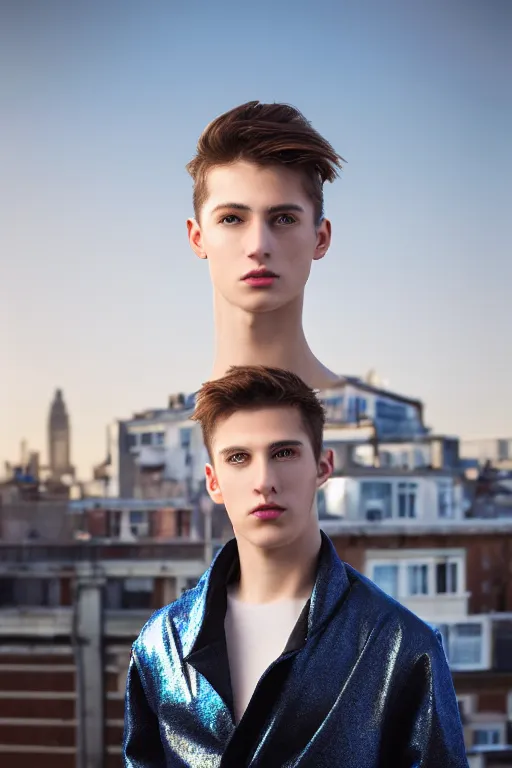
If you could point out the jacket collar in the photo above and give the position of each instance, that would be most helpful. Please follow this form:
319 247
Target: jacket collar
206 621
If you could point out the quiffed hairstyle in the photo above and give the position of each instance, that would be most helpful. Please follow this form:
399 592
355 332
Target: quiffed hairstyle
265 134
256 386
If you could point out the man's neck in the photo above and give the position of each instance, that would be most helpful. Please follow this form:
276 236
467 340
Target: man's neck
283 573
275 339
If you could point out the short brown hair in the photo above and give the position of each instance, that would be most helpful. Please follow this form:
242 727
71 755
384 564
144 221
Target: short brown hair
256 386
265 134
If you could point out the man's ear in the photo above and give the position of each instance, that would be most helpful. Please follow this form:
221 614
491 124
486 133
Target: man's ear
323 239
325 467
195 238
212 485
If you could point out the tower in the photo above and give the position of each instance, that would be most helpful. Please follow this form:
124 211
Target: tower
59 438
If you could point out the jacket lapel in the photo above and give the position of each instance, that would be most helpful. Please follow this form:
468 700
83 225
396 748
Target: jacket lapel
207 651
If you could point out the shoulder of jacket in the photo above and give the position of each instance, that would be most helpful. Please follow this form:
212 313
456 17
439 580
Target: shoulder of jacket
381 607
174 614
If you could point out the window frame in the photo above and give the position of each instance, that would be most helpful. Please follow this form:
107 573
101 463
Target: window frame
488 728
431 561
450 563
388 565
447 629
424 580
445 486
407 490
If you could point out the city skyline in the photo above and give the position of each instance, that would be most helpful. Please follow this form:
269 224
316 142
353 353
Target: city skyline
100 293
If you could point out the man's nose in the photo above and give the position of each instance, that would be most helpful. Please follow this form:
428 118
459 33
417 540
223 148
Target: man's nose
258 244
265 481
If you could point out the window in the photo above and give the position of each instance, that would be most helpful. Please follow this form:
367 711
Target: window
504 453
386 577
182 523
114 523
463 644
185 437
29 592
159 438
467 703
404 459
7 597
445 503
320 504
446 578
129 594
486 736
131 440
340 453
139 522
146 438
407 493
421 458
466 643
417 574
376 500
417 579
356 409
362 455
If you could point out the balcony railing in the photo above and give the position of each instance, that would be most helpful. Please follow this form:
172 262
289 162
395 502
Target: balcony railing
98 551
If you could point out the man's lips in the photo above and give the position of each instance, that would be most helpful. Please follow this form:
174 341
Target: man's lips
260 278
268 511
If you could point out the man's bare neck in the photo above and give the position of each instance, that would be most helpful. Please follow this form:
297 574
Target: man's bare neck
278 575
275 339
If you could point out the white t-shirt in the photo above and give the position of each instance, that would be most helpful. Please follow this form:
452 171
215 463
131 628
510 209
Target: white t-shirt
256 634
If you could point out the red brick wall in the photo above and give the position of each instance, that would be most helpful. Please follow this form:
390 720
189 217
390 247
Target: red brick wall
489 573
66 591
163 523
97 523
33 674
492 701
157 599
491 688
43 680
42 760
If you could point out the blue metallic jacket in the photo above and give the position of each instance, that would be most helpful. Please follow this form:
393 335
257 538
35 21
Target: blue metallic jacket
362 683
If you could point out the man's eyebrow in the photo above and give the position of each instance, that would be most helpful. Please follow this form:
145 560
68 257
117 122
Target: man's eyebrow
272 447
232 449
285 444
236 206
286 207
270 209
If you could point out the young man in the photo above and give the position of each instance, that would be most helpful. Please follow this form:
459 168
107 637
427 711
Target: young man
259 220
283 655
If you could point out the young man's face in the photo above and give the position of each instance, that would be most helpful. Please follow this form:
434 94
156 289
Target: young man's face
258 220
265 473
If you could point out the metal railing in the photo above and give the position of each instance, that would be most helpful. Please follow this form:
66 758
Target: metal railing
100 551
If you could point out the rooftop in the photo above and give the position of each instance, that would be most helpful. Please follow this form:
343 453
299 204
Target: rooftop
466 527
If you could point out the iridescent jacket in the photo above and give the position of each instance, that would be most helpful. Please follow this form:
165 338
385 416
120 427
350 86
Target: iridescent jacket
362 683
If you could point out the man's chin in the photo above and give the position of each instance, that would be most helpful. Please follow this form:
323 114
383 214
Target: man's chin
270 537
262 304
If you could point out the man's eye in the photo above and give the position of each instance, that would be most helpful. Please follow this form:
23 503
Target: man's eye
285 218
230 219
284 453
237 458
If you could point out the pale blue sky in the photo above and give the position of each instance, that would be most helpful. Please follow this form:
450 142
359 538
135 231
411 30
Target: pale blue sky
102 104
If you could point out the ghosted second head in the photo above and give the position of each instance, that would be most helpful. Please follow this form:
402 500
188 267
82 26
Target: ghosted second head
259 217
